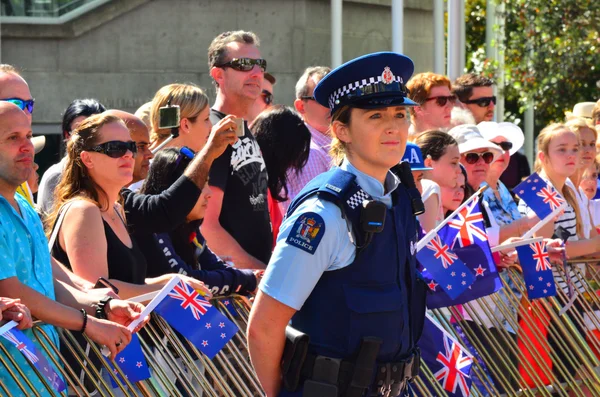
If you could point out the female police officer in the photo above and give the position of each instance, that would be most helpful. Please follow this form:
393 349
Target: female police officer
343 270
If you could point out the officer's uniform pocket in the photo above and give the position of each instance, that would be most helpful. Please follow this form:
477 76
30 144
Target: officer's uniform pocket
375 310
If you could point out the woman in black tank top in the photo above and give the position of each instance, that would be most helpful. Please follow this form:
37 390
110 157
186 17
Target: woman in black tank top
87 225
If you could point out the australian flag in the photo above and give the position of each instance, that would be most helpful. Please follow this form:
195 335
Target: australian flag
537 270
445 267
196 319
539 195
33 355
467 236
132 362
449 362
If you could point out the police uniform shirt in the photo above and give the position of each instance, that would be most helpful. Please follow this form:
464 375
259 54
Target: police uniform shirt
297 264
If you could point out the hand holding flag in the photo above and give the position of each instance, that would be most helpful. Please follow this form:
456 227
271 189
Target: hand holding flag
195 318
132 362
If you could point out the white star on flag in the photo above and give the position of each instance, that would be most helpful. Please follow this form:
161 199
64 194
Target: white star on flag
204 343
207 325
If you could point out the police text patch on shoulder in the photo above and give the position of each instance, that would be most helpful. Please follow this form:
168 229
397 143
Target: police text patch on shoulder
307 232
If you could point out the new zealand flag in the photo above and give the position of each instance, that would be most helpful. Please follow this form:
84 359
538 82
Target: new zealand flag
449 362
537 270
132 362
443 265
196 319
539 195
33 355
466 234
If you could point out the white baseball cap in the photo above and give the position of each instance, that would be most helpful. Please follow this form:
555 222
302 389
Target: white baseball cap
490 130
469 139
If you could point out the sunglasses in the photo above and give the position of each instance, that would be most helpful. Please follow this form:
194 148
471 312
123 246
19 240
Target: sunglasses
441 101
307 98
483 102
473 158
506 146
115 149
268 97
245 64
21 103
184 153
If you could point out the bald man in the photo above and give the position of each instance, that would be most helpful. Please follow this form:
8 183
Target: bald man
13 87
26 272
140 134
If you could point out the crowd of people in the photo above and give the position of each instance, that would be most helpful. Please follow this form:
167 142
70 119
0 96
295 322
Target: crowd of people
222 210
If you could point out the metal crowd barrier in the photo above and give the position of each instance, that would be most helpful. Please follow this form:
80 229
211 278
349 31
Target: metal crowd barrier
177 368
555 350
556 347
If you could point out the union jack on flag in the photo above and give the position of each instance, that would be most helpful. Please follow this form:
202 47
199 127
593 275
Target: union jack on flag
469 223
541 256
441 251
551 197
21 346
190 299
539 195
537 270
456 366
447 359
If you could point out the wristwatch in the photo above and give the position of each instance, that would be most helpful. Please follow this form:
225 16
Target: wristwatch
101 307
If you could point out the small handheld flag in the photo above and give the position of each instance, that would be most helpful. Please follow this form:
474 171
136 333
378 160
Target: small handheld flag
196 319
539 195
447 359
33 355
448 271
132 362
537 270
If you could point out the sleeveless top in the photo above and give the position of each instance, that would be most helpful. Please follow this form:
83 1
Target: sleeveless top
124 263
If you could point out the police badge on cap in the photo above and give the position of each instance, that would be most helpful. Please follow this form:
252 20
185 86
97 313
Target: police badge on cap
368 82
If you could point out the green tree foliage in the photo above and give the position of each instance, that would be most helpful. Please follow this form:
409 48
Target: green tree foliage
552 53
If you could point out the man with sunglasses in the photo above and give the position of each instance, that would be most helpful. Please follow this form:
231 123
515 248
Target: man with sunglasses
265 100
237 223
317 119
14 89
432 92
476 92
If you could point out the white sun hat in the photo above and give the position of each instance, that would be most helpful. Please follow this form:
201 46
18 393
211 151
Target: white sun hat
469 139
490 130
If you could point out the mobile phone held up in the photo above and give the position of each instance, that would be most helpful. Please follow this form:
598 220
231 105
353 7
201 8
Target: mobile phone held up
239 127
168 117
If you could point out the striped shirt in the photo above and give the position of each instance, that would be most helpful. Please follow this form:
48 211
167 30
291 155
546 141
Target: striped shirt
319 161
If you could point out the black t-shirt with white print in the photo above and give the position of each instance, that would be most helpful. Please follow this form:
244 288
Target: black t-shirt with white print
242 175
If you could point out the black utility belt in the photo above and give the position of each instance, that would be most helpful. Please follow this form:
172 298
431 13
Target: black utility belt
391 379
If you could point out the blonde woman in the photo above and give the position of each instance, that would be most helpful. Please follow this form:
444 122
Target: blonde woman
194 124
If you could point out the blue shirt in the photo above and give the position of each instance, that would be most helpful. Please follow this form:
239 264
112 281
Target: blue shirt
292 272
25 255
505 210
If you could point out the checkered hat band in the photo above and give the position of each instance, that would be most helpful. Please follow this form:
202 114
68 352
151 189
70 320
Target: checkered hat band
348 88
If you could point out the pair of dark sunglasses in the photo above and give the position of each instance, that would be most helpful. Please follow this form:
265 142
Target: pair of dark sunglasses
307 98
506 146
441 101
473 158
184 153
483 102
245 64
268 97
21 103
115 149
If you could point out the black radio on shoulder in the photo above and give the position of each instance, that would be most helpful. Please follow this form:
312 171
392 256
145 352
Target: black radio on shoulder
372 216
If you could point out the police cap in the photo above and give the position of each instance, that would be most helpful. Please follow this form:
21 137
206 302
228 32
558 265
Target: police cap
368 82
